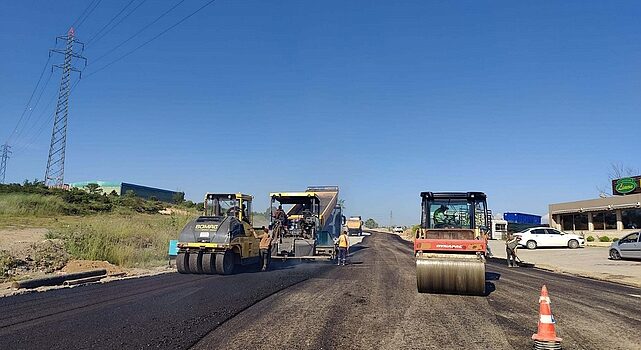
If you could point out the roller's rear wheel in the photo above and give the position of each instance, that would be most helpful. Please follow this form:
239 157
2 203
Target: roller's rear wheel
195 262
455 276
182 263
225 263
209 263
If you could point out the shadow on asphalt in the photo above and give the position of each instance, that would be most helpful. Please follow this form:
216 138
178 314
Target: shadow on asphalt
503 261
489 288
356 248
492 276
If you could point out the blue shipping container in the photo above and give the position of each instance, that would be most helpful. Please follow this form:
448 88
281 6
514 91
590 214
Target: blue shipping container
521 218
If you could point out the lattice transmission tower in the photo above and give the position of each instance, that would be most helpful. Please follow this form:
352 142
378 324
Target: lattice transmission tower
55 173
6 153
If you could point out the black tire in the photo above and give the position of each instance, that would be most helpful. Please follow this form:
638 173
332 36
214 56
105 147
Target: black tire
196 263
209 263
573 244
614 254
531 245
225 263
182 263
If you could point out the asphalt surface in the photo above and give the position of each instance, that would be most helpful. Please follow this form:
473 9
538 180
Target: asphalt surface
371 303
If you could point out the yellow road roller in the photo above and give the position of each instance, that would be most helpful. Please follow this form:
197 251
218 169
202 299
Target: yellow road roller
449 246
220 239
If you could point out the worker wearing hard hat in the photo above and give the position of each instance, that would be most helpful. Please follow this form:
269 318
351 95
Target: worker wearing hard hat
343 247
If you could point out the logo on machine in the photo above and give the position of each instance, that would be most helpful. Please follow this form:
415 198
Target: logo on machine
450 246
626 185
211 227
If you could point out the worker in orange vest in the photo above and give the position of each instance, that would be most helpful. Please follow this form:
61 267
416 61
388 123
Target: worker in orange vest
265 248
343 247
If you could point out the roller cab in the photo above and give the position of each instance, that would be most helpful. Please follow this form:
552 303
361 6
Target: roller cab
449 247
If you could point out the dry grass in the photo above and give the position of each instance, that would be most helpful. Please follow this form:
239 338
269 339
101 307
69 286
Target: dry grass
135 240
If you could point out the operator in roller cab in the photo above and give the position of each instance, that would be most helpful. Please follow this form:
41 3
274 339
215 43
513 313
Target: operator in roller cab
440 216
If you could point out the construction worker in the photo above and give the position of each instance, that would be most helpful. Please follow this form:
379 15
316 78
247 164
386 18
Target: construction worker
486 238
439 216
280 217
343 248
245 213
511 245
264 248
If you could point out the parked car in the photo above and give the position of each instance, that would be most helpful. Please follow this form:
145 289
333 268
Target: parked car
398 229
534 237
627 247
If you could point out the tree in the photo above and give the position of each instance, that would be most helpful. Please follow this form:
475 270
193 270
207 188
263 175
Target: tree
93 188
371 223
617 171
178 197
268 213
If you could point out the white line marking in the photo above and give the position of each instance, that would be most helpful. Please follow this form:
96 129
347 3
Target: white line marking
635 295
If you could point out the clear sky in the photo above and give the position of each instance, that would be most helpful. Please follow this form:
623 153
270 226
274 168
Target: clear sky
528 101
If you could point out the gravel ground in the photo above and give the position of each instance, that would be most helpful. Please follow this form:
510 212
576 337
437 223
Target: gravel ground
589 262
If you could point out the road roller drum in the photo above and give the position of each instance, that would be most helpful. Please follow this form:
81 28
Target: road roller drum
451 275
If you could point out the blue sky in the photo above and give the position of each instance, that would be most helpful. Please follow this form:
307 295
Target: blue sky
529 102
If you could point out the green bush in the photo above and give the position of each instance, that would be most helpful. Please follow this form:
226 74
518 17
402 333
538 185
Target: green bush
604 239
17 204
590 239
614 239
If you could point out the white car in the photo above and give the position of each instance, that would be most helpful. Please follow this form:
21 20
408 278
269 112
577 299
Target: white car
398 229
532 238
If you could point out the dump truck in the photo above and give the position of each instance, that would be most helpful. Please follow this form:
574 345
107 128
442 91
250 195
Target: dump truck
449 246
220 239
314 221
354 226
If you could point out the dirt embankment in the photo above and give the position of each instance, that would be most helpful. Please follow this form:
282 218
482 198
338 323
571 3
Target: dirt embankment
27 253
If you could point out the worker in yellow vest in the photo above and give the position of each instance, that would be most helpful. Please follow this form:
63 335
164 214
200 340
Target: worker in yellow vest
343 247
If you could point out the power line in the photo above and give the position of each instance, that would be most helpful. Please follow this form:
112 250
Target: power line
30 98
152 39
138 32
88 14
83 13
35 105
110 21
47 122
118 23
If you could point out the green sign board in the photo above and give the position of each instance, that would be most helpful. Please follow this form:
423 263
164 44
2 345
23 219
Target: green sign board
626 185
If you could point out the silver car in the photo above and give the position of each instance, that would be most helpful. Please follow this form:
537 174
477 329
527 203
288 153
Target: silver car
627 247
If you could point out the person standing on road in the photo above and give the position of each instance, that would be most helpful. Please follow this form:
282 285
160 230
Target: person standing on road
343 247
486 238
265 248
511 245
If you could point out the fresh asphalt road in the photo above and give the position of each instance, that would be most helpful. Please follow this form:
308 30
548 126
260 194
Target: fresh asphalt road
370 304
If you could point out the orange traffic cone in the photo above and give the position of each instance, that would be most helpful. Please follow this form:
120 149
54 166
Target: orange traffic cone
546 337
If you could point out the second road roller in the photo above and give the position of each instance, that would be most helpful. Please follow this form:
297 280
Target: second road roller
449 246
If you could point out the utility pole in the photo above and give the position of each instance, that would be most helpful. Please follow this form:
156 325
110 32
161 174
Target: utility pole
6 153
54 175
391 226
